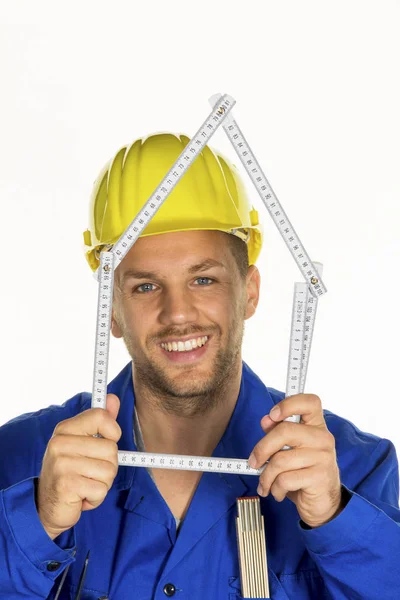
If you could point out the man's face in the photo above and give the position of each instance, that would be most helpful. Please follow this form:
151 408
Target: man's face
161 296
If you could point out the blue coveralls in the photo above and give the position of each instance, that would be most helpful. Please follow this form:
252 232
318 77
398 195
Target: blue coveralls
135 551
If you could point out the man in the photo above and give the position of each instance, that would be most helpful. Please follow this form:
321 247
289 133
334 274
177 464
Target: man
181 297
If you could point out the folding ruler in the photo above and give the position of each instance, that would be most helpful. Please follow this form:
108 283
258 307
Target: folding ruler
306 296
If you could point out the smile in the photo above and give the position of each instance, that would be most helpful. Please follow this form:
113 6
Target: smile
185 352
187 346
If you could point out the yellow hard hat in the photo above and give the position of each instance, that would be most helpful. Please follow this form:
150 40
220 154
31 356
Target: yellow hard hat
210 195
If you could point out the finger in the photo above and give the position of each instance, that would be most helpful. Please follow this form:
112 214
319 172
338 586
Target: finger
290 460
91 422
89 492
80 445
267 423
99 470
295 435
292 481
309 406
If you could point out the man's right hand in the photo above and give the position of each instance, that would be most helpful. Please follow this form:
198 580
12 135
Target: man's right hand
78 469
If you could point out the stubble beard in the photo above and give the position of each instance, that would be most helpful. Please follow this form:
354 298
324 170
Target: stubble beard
191 397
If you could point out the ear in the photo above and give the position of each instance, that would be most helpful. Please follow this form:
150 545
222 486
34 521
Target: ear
253 281
115 328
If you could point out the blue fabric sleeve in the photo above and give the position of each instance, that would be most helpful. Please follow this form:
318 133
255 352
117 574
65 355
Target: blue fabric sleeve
358 552
25 547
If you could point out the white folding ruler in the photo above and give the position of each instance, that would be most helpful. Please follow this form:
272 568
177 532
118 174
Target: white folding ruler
272 203
303 318
109 260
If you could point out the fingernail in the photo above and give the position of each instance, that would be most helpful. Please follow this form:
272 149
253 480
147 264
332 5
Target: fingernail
275 412
260 490
252 462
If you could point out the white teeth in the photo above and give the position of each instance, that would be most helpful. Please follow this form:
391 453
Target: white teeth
186 346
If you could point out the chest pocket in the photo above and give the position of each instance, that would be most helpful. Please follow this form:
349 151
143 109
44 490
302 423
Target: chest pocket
275 589
86 594
303 585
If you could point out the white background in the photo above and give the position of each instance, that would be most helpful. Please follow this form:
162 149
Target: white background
317 91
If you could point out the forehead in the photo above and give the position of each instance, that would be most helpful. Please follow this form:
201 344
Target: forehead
191 251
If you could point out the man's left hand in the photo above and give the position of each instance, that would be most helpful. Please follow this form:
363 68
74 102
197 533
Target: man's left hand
307 473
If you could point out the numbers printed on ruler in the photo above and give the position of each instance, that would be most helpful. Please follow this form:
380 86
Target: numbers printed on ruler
312 305
178 169
303 319
272 203
188 463
111 259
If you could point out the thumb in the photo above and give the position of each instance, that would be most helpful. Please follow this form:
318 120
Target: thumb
112 405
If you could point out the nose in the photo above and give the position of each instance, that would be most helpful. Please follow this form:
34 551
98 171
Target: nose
178 307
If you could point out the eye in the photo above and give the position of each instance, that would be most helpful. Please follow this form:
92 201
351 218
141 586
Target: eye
209 279
141 286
